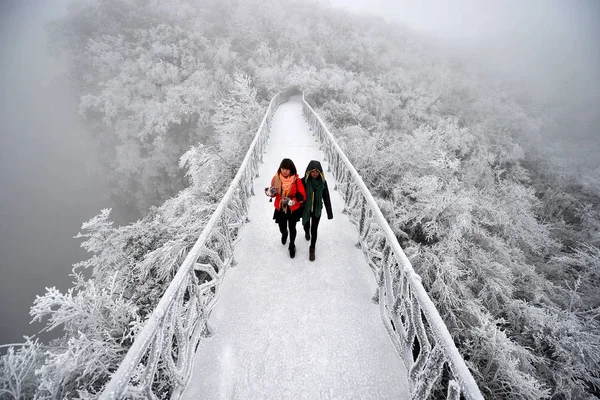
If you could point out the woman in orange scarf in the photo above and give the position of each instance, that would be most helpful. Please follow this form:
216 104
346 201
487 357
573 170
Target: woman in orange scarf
289 195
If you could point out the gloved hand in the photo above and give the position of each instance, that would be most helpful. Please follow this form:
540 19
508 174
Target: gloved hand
271 191
291 202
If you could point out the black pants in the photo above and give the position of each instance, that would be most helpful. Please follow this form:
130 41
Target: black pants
312 225
287 221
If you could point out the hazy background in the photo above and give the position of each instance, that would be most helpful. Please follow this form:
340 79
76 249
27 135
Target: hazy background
46 192
536 39
549 47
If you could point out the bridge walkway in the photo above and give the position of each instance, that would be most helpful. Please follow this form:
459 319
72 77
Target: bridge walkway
291 328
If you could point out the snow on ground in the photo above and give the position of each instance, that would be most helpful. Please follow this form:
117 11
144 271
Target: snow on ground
290 328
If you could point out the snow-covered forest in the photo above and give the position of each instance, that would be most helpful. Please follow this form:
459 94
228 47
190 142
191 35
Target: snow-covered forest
505 237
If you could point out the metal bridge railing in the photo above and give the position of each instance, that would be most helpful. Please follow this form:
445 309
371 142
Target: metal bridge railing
168 340
418 332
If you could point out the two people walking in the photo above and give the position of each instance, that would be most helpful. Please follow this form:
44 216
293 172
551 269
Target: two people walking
297 199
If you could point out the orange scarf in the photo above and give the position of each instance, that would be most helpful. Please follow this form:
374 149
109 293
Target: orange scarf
284 187
286 184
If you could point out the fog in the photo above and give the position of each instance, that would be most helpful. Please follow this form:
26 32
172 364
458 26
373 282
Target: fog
548 49
46 192
541 40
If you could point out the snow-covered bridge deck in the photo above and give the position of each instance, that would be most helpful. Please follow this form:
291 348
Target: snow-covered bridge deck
291 328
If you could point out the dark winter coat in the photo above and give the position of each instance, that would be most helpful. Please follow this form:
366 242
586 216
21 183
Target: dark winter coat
326 200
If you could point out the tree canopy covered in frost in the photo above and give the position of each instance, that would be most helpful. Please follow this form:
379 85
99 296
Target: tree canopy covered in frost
505 239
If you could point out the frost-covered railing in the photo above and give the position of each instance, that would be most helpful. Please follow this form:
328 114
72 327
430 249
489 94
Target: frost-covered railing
436 369
164 349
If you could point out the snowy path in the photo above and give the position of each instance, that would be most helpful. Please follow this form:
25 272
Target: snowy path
291 328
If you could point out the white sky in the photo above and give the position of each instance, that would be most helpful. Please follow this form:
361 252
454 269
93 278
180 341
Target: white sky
552 46
473 18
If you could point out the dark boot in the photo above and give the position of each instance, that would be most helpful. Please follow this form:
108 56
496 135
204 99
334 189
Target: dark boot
292 250
311 253
284 237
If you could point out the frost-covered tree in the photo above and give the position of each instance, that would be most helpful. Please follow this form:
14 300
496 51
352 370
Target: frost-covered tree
146 89
236 119
113 292
17 371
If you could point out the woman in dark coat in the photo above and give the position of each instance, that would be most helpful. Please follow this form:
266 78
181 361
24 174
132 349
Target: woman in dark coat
289 194
317 194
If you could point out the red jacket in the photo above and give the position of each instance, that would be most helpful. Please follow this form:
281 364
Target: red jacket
297 186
